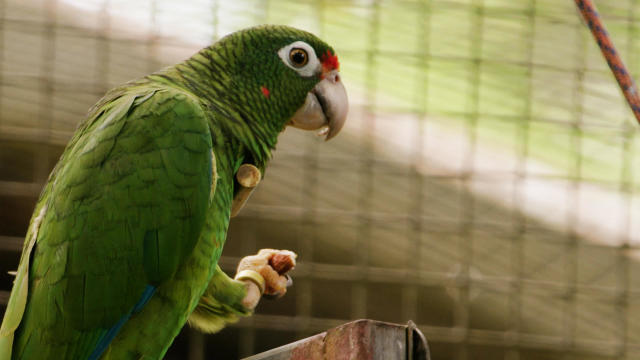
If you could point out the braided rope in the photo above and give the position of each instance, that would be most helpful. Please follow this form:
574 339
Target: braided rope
628 87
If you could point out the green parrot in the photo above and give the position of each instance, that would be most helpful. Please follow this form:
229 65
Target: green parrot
123 245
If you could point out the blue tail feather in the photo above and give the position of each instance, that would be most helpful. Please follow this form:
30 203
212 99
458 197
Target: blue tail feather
106 339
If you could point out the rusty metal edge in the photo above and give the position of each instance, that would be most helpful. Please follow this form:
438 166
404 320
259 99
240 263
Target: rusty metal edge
416 346
288 348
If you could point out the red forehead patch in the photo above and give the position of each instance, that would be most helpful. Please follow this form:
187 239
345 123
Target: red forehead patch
329 61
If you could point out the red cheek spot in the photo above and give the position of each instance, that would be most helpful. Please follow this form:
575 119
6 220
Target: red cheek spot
330 61
265 91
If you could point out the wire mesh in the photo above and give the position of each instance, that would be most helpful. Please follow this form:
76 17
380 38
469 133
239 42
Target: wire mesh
485 185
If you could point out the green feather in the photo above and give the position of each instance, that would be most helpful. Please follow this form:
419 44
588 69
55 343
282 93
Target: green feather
220 304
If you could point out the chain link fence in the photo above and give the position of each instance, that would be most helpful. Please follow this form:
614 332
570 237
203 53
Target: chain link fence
485 185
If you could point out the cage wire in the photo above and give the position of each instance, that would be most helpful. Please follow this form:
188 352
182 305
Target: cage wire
485 185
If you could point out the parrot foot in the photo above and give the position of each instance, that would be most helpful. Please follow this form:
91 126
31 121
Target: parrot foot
266 274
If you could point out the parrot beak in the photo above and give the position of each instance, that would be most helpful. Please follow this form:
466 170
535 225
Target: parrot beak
325 108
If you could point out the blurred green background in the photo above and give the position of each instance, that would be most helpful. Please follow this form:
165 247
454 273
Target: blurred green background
485 185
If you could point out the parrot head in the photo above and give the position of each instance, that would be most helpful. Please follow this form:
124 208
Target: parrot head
291 76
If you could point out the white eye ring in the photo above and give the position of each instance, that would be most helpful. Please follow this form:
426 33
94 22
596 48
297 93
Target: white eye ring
310 68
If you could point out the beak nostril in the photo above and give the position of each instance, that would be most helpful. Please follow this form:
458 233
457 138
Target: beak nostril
333 76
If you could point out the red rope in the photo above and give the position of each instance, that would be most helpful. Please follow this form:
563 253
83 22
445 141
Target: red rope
628 87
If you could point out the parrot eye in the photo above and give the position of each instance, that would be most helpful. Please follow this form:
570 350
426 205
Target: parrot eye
301 57
298 57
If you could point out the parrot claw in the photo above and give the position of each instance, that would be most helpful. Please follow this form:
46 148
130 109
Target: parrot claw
279 295
273 266
272 296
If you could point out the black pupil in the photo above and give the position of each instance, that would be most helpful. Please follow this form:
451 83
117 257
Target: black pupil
298 56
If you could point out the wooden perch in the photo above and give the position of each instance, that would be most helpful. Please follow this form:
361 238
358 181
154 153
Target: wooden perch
248 177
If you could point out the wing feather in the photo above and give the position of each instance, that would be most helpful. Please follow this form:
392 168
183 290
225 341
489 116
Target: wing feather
123 209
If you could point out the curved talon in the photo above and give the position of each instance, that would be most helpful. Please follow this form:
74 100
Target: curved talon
273 296
279 295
